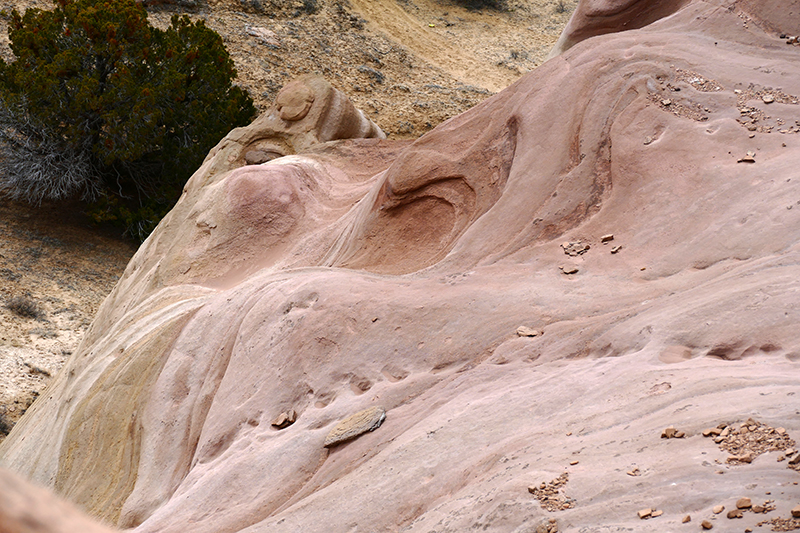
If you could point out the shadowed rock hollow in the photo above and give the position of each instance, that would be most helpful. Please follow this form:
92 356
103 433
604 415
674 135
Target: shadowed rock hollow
374 274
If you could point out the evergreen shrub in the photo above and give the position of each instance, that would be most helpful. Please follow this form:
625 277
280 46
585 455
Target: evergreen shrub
102 106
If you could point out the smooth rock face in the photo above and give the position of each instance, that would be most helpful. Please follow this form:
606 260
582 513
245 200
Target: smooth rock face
367 272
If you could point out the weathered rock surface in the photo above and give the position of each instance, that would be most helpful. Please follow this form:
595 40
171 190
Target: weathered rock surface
363 273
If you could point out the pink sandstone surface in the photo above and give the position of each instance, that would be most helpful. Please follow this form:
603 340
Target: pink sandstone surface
370 273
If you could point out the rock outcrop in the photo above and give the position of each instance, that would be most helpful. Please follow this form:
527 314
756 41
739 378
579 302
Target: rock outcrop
366 273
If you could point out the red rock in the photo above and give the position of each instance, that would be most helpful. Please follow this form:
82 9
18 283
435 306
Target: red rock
369 272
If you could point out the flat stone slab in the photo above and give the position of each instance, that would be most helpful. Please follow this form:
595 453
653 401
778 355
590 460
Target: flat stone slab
356 425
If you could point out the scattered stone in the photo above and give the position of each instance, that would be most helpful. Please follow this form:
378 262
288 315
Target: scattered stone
705 524
607 238
794 460
575 248
747 441
744 503
749 158
356 425
648 140
672 433
549 526
573 463
717 509
796 511
263 35
768 98
657 513
616 249
781 524
634 472
569 270
735 513
525 331
745 458
549 495
686 519
645 513
285 419
666 102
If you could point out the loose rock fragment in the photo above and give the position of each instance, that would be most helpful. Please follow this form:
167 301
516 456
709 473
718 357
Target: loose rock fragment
356 425
550 526
645 513
744 503
634 472
573 463
575 248
768 98
749 158
717 509
672 433
705 524
607 238
285 419
525 331
569 270
796 511
735 513
616 249
687 518
657 513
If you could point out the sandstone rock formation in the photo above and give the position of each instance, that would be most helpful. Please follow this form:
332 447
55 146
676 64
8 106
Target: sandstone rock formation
370 273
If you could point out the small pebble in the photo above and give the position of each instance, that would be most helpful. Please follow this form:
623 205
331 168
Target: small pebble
717 509
706 524
687 518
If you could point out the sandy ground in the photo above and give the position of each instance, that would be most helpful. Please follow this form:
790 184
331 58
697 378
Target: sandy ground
62 269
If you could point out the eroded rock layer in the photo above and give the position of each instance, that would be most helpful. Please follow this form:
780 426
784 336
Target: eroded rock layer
370 274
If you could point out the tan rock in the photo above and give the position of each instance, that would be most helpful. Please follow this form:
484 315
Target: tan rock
734 513
796 511
356 425
285 419
569 270
525 331
717 509
705 524
607 238
616 249
686 519
669 433
744 503
645 513
657 513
